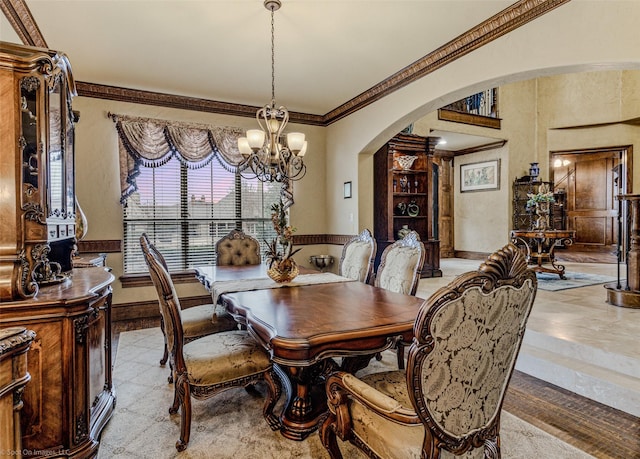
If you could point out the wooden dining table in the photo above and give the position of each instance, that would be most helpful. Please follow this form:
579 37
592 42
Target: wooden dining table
312 330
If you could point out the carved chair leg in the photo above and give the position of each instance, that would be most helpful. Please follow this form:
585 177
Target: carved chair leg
183 393
400 352
165 355
175 405
328 437
274 392
492 448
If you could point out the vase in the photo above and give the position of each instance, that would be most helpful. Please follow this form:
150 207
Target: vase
413 209
283 271
534 171
402 232
406 161
81 222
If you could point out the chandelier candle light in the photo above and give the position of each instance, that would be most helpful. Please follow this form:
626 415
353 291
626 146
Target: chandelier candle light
264 154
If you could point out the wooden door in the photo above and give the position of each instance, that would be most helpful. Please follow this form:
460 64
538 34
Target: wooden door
591 181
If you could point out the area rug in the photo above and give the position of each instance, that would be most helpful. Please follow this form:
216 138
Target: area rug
230 424
552 282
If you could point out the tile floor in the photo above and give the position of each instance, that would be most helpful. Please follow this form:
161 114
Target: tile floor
574 338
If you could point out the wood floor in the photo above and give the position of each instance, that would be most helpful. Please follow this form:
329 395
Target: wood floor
597 429
603 432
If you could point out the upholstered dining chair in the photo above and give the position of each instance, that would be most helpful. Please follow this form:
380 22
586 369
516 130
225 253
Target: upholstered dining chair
197 321
400 263
211 364
467 337
357 257
237 248
399 271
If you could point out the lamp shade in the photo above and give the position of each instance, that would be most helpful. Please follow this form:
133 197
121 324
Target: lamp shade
255 138
243 146
303 150
295 141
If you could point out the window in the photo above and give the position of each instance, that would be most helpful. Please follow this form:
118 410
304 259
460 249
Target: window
186 211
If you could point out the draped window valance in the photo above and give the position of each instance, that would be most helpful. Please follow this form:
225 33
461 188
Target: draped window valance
153 142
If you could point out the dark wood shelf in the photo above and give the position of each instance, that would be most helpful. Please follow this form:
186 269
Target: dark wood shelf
387 171
409 195
407 171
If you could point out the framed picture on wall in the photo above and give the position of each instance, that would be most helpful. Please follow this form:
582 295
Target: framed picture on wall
482 176
347 190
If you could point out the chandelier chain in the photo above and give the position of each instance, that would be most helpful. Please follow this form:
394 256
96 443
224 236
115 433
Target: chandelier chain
273 63
266 155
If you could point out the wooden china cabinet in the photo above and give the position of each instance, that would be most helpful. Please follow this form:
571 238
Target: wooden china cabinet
70 396
405 196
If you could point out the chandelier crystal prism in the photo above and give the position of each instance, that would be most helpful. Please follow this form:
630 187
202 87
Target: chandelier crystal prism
266 155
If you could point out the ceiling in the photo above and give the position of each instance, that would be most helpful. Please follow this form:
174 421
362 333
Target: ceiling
326 52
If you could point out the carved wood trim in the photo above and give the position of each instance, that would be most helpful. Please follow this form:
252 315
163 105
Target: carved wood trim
144 280
507 20
20 18
469 118
100 91
100 246
485 147
315 239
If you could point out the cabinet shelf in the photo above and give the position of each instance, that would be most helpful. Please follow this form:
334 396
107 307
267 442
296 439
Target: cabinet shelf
406 171
409 195
409 217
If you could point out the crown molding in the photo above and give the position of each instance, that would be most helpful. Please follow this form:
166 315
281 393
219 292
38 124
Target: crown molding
20 18
507 20
138 96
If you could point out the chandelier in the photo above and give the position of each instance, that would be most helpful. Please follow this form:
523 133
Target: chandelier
266 155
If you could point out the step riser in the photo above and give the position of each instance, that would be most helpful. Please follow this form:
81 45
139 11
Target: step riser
583 353
625 397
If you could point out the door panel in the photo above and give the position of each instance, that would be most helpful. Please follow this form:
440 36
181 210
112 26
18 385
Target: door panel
589 181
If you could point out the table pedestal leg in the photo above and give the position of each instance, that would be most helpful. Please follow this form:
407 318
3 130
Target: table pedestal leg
306 401
540 250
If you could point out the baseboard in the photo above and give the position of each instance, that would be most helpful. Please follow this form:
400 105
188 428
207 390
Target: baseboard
470 255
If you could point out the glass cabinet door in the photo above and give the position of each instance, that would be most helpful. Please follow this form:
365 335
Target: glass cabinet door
30 135
56 179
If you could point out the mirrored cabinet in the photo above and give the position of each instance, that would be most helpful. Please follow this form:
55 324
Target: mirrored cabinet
37 169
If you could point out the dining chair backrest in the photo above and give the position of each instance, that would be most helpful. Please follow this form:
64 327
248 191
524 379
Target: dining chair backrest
400 265
237 248
152 248
356 261
467 338
168 300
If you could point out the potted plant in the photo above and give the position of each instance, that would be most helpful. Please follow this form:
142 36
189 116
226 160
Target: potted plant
279 255
540 202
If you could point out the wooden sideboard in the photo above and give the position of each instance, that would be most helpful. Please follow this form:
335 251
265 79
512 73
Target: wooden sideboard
14 344
70 396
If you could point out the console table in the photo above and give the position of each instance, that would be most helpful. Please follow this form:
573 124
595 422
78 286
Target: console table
539 247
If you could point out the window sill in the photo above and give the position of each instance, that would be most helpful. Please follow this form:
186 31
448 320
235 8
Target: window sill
144 280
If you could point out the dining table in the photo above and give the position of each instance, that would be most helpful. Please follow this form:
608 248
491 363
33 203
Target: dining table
312 328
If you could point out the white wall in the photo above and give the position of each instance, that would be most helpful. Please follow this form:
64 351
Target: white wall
98 182
576 37
556 43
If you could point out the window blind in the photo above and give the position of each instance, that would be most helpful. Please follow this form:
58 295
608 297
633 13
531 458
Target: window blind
184 212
